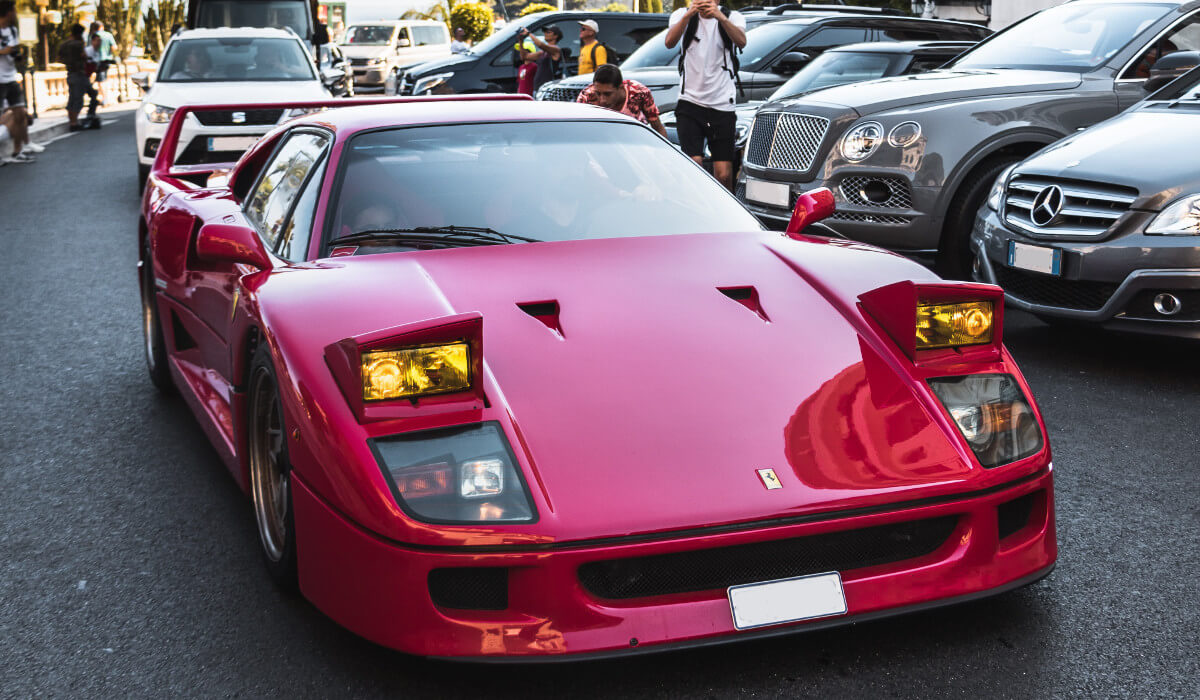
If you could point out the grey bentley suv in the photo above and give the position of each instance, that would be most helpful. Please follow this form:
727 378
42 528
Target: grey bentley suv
1103 227
911 159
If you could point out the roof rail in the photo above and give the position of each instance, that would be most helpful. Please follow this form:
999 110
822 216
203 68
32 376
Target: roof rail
857 9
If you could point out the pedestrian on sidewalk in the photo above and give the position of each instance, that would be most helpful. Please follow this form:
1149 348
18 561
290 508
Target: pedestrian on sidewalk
708 63
592 53
107 42
611 91
11 93
71 55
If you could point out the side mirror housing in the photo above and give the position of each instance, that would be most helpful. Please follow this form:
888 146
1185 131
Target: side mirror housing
811 207
143 80
1170 67
332 76
403 44
791 62
230 243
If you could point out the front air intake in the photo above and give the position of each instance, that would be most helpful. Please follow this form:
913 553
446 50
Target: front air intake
469 588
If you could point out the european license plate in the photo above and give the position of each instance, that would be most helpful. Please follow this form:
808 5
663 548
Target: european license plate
777 194
1035 258
787 600
231 143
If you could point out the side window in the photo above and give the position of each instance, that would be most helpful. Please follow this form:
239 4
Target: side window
829 37
1185 37
894 32
272 198
924 64
429 36
293 244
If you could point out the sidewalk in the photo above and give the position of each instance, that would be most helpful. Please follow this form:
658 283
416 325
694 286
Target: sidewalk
53 123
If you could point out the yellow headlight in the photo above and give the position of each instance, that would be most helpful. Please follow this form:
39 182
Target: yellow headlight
411 372
951 325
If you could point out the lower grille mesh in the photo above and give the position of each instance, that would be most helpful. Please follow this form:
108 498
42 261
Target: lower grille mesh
711 569
1054 291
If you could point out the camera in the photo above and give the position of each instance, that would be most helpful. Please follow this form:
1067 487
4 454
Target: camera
20 57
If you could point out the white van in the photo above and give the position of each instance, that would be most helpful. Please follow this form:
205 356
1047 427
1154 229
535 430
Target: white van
379 49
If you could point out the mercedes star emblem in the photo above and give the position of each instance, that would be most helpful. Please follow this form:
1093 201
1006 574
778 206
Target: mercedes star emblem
1047 206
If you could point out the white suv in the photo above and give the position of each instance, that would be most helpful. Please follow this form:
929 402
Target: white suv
378 51
220 66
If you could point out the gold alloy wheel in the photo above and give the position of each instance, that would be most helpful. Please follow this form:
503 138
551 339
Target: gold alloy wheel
268 474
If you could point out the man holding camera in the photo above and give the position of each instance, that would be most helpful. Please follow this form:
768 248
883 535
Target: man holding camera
11 93
547 58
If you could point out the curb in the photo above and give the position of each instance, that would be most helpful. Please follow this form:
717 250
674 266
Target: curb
54 124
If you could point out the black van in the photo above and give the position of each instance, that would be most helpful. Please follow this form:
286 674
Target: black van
298 15
491 64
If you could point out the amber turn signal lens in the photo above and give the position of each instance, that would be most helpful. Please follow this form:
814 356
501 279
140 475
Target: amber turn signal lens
408 373
952 325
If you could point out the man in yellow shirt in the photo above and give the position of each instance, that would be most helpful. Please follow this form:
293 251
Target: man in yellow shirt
591 52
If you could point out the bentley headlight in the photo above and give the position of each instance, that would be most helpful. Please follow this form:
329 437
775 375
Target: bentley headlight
992 414
996 196
1182 218
463 474
904 134
861 141
741 134
157 114
426 85
540 94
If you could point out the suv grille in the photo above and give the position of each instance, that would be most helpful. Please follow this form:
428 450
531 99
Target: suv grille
560 93
1054 291
712 569
359 61
786 141
1088 208
251 117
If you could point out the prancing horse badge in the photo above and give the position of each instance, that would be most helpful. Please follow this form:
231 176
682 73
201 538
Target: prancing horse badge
769 479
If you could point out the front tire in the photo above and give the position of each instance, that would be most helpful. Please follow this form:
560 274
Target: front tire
154 344
270 471
143 176
954 250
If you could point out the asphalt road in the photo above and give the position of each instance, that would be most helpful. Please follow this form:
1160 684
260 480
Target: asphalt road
130 565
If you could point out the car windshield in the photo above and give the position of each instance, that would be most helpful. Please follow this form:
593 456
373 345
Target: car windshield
235 59
1071 37
507 35
547 181
838 68
259 13
654 53
369 35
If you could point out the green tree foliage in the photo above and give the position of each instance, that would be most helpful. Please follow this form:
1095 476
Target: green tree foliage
474 17
651 6
615 7
120 17
537 7
55 34
160 16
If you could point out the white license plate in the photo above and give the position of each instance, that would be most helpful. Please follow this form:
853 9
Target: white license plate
777 194
231 143
787 600
1034 257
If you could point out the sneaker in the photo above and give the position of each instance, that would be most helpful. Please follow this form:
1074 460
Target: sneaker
22 157
32 147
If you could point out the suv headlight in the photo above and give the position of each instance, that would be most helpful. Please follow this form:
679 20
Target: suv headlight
157 114
377 61
430 83
295 112
1181 218
992 414
996 196
861 141
463 474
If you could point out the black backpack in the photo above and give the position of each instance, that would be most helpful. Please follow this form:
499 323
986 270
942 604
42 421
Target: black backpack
689 35
613 57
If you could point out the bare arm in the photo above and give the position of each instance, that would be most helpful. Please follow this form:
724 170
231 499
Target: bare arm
675 32
554 51
657 125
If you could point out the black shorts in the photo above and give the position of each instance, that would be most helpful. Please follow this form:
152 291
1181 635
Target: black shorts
695 125
12 95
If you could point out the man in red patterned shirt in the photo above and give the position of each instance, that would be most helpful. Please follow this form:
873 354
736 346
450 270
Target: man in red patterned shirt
630 97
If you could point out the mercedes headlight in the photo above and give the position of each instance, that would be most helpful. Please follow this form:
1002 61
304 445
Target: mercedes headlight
861 141
157 114
996 196
1182 218
992 414
463 474
429 83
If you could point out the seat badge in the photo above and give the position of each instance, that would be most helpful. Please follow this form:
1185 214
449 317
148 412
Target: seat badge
239 117
769 479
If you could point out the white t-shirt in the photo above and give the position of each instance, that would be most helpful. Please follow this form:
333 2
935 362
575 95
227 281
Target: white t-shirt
706 68
8 68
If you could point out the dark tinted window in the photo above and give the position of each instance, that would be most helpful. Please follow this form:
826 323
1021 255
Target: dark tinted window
921 64
829 37
255 13
625 35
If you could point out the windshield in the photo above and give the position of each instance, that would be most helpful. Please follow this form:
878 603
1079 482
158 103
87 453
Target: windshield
369 35
235 59
762 41
837 68
1069 37
258 13
653 53
549 181
507 35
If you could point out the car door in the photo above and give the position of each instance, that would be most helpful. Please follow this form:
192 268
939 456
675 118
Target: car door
1183 36
767 79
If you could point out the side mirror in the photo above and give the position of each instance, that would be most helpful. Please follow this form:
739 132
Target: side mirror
1170 67
791 62
403 43
332 76
231 243
811 207
142 80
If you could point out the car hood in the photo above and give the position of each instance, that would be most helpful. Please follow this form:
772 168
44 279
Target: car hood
884 94
1143 149
657 397
360 51
442 64
179 94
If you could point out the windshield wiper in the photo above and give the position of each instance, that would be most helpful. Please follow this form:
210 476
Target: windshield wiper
436 235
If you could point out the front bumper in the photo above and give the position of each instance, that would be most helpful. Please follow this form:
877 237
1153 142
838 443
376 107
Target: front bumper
1109 282
903 225
381 589
193 140
372 76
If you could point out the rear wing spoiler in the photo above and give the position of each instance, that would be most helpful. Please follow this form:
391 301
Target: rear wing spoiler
164 160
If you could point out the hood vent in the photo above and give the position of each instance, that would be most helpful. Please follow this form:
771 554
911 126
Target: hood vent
546 312
747 297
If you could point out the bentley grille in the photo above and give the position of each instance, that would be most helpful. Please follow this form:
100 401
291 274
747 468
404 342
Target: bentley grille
786 141
560 93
